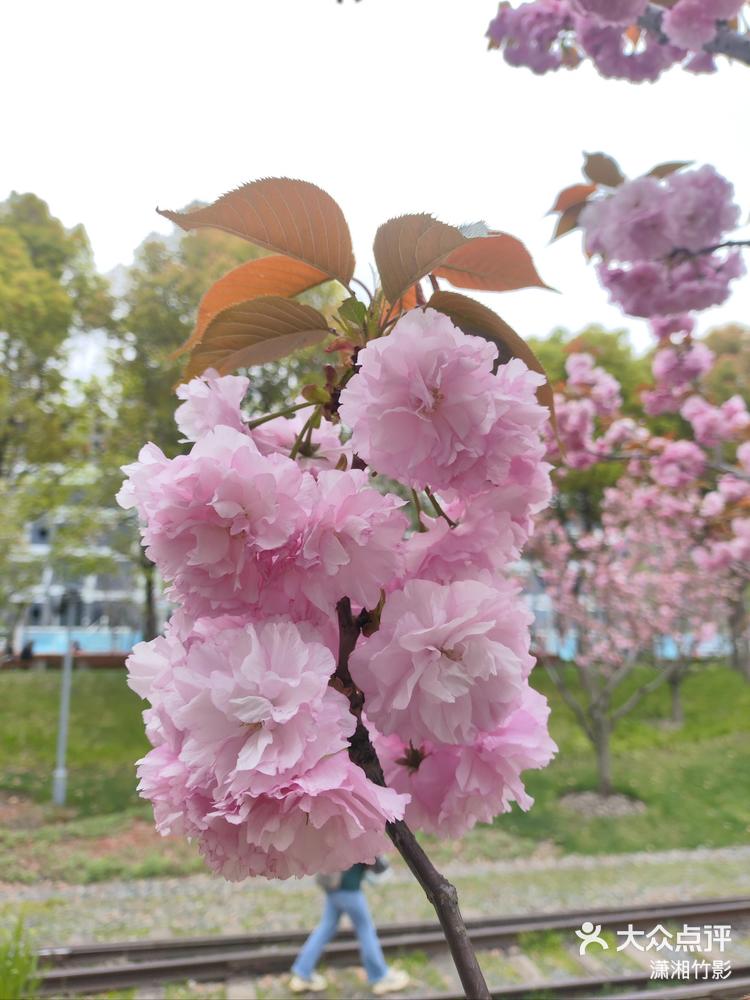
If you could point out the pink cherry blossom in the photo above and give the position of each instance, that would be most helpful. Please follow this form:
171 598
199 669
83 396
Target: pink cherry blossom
652 288
614 55
448 661
454 787
672 328
701 207
216 520
325 820
351 544
491 530
693 23
251 750
602 388
621 12
713 424
680 464
420 406
530 34
210 401
631 224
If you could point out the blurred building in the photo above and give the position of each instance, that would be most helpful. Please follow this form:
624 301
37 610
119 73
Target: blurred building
108 615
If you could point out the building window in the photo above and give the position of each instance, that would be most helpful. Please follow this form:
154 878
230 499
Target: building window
40 533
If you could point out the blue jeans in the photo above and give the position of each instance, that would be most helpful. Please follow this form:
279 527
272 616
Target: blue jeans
355 906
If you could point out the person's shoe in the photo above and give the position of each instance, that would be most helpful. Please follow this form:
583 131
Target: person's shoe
393 981
315 984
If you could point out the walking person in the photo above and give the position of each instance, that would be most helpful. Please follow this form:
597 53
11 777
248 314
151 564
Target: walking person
344 895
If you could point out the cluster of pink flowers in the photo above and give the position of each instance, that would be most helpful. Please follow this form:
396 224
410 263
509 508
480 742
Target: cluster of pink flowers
546 35
622 588
589 403
678 365
657 242
714 424
250 740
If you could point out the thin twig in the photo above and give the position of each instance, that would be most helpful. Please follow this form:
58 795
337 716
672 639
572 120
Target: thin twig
418 508
364 288
726 245
438 509
298 441
280 413
726 43
440 892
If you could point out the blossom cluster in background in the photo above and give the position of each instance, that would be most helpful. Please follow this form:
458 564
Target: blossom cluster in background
261 530
658 242
683 500
546 35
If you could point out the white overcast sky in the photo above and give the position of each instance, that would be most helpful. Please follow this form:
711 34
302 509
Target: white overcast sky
112 108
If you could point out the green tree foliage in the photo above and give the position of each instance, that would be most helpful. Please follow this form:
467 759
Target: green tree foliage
581 490
731 372
48 290
611 349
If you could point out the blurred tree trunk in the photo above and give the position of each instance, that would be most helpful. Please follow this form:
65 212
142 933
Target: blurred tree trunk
602 737
150 624
738 635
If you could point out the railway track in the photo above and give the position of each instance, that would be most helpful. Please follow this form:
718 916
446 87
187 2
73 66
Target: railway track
87 969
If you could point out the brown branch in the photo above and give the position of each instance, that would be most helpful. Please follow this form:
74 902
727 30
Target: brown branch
726 245
440 892
569 698
664 675
726 43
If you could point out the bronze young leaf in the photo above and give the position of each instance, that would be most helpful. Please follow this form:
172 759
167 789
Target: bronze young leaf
602 169
287 216
254 332
273 275
494 263
576 194
408 248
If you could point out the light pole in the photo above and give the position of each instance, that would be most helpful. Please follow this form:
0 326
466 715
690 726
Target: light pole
68 606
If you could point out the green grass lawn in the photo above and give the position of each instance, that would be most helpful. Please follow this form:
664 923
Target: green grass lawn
692 780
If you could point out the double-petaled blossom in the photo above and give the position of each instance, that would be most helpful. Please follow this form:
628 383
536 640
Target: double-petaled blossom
714 424
351 544
679 464
210 401
324 820
545 35
659 242
490 530
217 521
448 662
530 34
425 408
453 787
602 388
420 405
248 732
676 369
649 287
691 24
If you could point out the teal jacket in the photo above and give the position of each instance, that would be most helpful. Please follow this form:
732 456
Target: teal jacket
351 879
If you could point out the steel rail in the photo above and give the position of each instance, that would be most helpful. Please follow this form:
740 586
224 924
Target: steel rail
734 988
218 958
